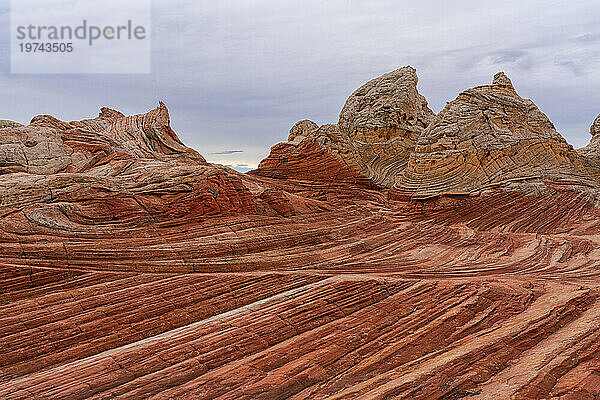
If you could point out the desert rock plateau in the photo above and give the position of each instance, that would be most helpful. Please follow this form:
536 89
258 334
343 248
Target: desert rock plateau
395 254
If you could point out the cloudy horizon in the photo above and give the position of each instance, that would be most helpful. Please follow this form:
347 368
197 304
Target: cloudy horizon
236 75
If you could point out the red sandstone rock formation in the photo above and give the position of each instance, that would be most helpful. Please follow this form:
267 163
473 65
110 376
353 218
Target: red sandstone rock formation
377 130
133 269
487 137
591 153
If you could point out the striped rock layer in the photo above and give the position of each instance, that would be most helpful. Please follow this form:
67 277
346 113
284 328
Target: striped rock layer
130 268
590 154
377 130
486 137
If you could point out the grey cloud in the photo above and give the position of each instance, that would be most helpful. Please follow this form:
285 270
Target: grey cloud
239 73
227 152
587 38
570 65
509 56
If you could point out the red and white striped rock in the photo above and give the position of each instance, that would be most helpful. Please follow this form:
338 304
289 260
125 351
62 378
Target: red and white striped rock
130 268
377 130
486 137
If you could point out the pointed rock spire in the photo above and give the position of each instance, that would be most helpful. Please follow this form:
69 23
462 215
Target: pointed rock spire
500 79
109 113
487 136
386 107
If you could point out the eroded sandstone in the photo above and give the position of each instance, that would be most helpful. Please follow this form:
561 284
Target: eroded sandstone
486 137
377 130
131 268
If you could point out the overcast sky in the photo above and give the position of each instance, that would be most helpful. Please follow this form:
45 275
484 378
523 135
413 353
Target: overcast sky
237 74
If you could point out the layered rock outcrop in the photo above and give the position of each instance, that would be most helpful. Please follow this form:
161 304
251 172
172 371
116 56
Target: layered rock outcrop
48 146
116 169
377 130
590 154
486 137
385 108
131 268
595 128
4 123
302 129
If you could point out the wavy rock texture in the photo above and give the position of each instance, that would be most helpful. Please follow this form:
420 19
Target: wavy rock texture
377 130
591 153
301 129
133 269
595 128
486 137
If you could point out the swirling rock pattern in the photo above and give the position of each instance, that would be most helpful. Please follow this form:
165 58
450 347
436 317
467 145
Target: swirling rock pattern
302 129
377 130
486 137
131 268
590 154
386 107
